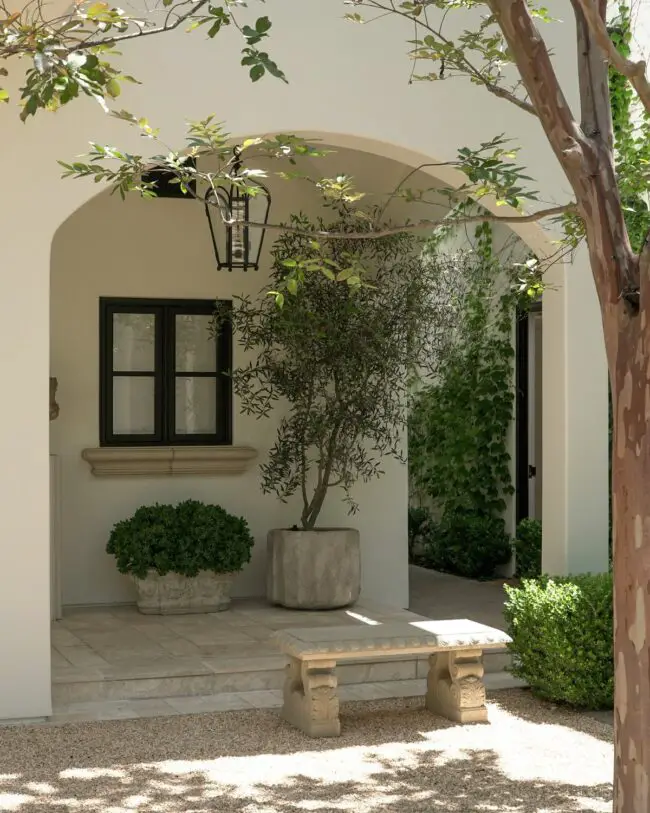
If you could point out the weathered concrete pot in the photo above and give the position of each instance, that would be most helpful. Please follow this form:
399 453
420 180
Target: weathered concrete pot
173 594
313 570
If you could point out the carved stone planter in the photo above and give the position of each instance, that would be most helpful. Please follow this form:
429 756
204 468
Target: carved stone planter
173 594
314 570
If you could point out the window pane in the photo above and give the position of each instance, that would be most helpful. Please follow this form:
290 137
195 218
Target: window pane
196 406
195 344
134 342
133 405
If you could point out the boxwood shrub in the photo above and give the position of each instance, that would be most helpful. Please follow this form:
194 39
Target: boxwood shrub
185 539
468 544
562 633
528 548
420 525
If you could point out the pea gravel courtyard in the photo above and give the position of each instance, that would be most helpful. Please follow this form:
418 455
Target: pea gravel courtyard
393 757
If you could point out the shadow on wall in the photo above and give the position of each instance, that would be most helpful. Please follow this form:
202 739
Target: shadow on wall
393 757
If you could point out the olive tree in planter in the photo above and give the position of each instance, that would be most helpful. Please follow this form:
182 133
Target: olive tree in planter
183 558
338 357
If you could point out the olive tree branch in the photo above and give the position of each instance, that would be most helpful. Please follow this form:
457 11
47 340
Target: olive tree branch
469 67
410 174
89 38
144 32
389 231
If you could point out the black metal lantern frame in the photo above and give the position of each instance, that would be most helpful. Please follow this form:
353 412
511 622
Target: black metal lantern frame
242 248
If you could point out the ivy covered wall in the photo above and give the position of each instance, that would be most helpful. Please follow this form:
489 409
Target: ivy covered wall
460 424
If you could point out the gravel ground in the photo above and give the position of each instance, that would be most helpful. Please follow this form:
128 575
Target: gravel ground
393 757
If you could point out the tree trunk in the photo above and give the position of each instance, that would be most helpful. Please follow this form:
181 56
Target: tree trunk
631 527
623 284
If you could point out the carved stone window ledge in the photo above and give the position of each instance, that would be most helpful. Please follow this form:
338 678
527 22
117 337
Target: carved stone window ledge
156 461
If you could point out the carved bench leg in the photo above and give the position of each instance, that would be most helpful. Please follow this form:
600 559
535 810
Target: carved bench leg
455 687
310 700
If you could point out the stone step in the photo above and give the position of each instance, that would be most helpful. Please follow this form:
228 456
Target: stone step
231 701
192 677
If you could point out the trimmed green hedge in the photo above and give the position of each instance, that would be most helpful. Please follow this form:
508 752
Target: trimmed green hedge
186 538
562 632
528 549
465 544
469 545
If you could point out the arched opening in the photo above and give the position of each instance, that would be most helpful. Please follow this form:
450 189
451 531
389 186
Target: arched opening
160 252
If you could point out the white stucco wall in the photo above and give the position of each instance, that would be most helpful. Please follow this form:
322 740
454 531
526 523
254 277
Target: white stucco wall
345 80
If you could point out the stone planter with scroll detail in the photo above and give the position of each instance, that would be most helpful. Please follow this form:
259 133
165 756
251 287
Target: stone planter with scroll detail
173 594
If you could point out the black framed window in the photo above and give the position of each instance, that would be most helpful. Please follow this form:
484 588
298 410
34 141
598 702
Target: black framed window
163 373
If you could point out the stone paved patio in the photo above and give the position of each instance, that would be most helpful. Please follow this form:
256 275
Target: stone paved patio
439 595
114 663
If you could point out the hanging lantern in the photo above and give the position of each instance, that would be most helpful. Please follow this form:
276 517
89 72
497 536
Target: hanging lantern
237 246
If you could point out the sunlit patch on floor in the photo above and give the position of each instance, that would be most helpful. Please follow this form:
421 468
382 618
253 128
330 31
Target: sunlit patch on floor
393 757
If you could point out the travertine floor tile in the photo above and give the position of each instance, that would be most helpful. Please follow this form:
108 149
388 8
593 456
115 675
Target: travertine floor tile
264 699
226 701
82 656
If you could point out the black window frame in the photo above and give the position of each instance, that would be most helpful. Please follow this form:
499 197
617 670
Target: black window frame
165 373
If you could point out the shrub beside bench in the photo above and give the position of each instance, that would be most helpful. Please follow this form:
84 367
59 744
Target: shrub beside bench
562 633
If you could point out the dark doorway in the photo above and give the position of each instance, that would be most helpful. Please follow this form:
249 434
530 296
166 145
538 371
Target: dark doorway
528 478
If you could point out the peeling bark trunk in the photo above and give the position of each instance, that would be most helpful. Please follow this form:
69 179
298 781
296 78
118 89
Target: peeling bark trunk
623 284
626 327
631 527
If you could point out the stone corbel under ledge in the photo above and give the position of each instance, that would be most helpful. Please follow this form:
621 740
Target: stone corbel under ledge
115 461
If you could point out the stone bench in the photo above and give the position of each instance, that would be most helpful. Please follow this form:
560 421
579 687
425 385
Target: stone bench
455 687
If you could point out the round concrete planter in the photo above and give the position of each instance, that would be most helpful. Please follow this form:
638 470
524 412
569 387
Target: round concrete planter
313 570
173 594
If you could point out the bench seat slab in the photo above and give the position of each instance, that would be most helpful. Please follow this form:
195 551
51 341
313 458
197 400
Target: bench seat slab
394 639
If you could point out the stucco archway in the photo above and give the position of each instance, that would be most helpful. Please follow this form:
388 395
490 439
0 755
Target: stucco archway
161 249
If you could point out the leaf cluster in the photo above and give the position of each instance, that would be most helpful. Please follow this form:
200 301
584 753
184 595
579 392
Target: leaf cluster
338 353
459 423
186 538
528 548
72 54
631 123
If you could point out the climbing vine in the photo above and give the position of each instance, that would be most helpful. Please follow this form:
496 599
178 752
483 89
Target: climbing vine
459 424
458 427
631 125
631 136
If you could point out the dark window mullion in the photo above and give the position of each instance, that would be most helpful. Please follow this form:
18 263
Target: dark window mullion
224 383
169 365
159 383
196 374
105 380
134 373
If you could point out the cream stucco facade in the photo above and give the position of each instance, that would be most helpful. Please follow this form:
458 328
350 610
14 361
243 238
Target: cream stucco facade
56 265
